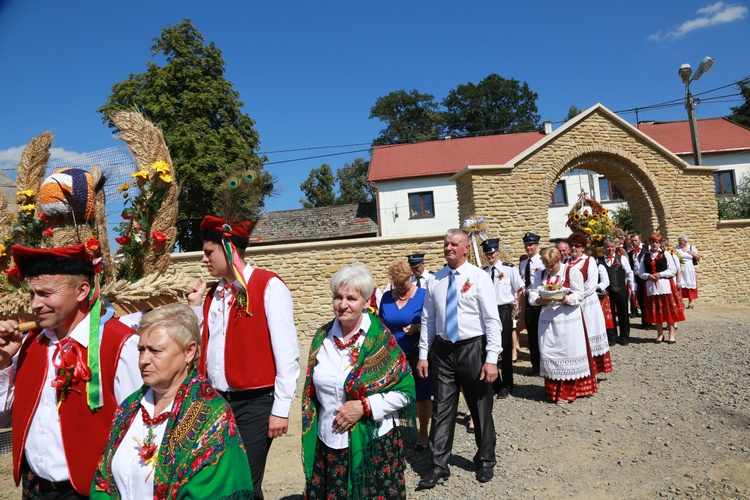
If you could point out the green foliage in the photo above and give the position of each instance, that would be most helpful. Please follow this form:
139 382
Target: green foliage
493 106
573 111
320 186
623 218
737 206
741 114
353 187
200 115
411 117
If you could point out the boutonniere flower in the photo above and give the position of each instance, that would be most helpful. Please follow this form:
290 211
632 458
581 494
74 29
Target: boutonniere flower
501 276
240 299
149 452
70 367
466 287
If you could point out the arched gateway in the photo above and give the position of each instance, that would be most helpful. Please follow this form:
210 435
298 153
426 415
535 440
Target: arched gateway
664 193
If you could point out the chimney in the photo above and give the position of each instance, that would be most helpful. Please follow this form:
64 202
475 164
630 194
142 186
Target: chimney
547 128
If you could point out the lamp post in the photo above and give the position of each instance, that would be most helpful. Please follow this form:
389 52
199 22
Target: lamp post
686 73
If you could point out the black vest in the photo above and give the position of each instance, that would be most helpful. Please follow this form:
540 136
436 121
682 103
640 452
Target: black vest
615 272
661 263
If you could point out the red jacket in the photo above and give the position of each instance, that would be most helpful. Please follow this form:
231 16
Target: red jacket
84 432
248 354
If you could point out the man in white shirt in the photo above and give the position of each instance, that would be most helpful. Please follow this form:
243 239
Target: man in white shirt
528 317
419 275
508 290
250 351
61 404
461 337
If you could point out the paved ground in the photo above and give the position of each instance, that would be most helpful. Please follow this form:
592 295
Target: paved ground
670 421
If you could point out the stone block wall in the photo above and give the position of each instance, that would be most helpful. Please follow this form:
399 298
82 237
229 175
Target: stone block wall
307 268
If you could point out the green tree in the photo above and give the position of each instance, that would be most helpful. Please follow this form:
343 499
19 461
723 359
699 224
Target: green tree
353 187
410 117
623 218
741 114
319 188
573 111
493 106
200 114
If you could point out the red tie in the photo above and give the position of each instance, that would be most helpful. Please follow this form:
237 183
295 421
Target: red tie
609 260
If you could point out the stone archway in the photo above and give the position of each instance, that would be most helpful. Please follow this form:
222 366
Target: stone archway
664 193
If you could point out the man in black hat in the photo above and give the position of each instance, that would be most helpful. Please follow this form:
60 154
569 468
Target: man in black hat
508 287
419 275
62 402
529 315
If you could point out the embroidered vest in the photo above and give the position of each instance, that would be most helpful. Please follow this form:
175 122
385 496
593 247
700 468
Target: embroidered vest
661 263
248 355
84 432
616 273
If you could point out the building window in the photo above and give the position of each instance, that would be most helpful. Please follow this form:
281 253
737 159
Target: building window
724 183
421 205
559 196
608 191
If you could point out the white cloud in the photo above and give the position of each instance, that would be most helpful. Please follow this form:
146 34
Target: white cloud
10 157
711 15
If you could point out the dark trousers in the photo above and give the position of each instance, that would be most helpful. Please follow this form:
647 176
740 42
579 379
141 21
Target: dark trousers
506 357
641 297
455 367
34 487
531 317
618 301
251 411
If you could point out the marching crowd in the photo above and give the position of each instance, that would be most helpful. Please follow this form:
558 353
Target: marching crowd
188 405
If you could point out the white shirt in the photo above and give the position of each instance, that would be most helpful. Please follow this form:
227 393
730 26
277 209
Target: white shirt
44 444
332 368
133 478
277 301
507 282
625 263
536 264
477 310
660 286
603 277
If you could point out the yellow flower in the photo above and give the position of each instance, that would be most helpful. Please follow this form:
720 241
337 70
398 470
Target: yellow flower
2 250
161 167
29 193
587 230
576 217
140 174
166 178
28 208
592 223
124 187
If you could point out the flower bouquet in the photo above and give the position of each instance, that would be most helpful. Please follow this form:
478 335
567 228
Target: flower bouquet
589 217
553 291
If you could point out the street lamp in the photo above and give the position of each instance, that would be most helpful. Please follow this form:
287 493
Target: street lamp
685 73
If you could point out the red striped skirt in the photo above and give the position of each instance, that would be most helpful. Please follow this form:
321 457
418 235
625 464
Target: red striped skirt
690 293
573 389
609 321
664 308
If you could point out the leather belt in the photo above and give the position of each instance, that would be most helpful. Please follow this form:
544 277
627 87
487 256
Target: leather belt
245 395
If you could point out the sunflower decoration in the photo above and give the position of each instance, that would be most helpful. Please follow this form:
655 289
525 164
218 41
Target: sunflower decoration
589 217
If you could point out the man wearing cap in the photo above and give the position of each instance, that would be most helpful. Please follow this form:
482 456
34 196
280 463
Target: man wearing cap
529 314
419 275
250 352
461 337
508 287
63 380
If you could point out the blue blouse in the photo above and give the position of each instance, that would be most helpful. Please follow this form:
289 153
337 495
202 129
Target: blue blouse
396 319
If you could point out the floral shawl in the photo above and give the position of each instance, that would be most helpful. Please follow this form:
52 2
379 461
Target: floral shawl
201 454
381 367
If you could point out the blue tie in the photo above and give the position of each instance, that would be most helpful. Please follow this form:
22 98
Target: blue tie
451 308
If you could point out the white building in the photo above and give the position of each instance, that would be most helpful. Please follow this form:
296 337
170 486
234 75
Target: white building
415 195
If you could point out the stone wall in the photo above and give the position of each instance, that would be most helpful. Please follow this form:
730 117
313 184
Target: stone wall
664 194
307 268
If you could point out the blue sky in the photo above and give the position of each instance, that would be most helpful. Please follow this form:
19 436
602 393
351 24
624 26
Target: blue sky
309 72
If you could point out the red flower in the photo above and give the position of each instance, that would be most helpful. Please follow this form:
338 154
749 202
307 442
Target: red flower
47 232
147 452
42 217
92 244
98 267
13 271
128 216
158 236
123 240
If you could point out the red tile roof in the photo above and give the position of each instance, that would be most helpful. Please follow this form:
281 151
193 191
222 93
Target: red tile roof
446 157
716 135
